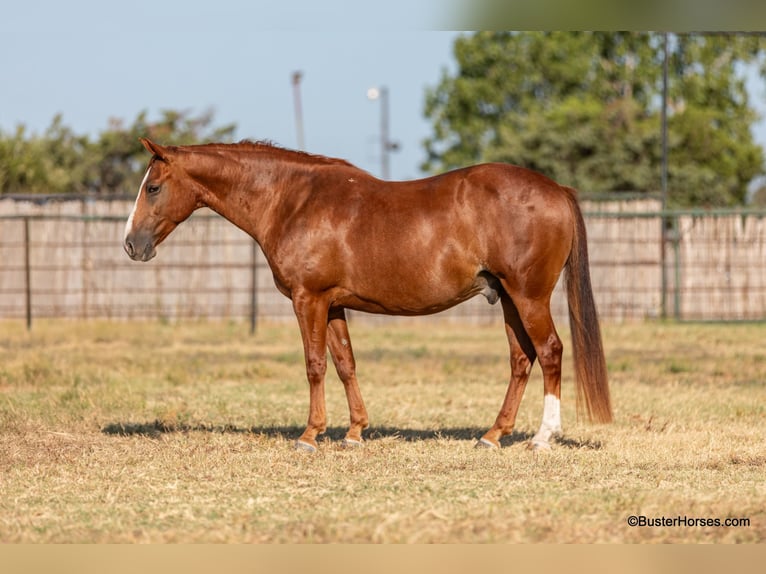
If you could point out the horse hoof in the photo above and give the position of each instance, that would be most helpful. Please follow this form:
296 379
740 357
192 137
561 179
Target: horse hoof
484 443
539 446
351 443
304 446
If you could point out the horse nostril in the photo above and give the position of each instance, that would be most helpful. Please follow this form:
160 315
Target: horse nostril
129 248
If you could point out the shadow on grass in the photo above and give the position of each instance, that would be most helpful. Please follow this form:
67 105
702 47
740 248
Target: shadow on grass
157 428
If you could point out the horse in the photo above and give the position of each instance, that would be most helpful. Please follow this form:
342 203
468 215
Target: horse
337 238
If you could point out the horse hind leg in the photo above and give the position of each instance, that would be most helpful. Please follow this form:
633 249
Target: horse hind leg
522 358
536 316
339 344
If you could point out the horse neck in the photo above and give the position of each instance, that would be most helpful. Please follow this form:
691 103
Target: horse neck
251 190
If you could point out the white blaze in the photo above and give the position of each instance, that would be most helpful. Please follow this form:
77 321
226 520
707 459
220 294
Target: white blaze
129 224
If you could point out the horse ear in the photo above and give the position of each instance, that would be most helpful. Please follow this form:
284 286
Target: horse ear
155 149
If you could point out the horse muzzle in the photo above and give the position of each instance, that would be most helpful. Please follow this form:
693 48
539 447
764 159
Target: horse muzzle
139 250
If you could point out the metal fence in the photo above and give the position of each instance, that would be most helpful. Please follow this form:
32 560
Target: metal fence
65 259
712 267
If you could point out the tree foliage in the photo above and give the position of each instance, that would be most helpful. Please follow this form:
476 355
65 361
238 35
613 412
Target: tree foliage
60 161
584 108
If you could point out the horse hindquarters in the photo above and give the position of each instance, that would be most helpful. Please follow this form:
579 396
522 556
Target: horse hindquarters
550 244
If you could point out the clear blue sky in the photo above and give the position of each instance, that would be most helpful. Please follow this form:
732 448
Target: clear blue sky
92 60
95 59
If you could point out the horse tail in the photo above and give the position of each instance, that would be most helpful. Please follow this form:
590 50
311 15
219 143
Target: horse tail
588 350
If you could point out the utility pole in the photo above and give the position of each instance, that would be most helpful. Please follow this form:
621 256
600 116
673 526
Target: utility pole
664 174
386 145
664 182
298 109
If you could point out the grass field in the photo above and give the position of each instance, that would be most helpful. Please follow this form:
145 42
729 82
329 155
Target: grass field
148 432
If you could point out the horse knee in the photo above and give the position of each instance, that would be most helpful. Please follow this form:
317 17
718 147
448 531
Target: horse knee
316 367
346 369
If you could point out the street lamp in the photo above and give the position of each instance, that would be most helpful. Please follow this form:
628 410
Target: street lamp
386 145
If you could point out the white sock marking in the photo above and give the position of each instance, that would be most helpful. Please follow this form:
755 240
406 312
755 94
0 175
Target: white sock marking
551 419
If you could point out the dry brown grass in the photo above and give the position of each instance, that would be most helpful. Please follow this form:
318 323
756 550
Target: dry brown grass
144 432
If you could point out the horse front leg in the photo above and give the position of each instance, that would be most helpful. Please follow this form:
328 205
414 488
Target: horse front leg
339 343
311 312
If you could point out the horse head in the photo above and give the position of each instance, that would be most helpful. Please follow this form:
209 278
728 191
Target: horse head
165 198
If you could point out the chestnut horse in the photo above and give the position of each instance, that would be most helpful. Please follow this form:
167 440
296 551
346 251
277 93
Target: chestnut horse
337 238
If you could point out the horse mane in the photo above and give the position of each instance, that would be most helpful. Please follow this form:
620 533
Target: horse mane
268 146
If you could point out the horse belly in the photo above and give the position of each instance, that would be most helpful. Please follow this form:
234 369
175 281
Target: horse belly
405 306
415 292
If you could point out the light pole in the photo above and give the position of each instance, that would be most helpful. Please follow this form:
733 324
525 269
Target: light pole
386 145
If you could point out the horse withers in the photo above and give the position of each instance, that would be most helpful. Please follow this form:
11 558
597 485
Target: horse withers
337 238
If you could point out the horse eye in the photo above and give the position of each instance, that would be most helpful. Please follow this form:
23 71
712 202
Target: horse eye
152 188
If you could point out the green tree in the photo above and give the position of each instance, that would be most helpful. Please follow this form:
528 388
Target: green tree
759 197
713 157
584 109
120 159
60 161
49 163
